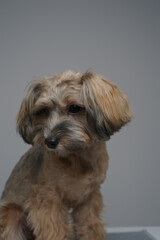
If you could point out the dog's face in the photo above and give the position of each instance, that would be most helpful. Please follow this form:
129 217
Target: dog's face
71 111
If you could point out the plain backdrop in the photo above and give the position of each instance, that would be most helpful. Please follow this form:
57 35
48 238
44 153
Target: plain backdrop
119 39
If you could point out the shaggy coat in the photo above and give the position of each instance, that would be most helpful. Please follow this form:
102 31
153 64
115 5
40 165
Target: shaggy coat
67 119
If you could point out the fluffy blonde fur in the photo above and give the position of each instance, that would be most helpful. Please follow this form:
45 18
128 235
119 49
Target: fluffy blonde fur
67 119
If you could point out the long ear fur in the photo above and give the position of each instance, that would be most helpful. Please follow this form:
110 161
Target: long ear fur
107 106
24 116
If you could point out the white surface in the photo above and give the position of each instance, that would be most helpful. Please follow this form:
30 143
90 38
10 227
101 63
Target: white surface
154 231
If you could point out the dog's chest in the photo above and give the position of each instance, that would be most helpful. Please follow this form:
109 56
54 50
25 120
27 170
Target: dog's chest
74 189
74 181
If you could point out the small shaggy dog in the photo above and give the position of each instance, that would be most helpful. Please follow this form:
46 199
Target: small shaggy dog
67 119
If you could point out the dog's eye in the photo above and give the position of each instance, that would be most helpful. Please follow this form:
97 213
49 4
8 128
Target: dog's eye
43 112
73 109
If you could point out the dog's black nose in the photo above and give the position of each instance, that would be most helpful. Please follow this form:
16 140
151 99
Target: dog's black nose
51 142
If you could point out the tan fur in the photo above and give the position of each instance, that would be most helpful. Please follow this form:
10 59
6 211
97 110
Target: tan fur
50 180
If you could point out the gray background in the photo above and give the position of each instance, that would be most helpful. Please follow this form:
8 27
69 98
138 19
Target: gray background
119 39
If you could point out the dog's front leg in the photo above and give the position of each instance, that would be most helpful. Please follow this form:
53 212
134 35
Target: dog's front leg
88 224
48 217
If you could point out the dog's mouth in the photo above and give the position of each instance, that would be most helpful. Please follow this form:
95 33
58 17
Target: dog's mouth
67 137
64 144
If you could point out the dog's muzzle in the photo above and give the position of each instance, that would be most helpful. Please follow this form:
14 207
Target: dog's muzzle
51 142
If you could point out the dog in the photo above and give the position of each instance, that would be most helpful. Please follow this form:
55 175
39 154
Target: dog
53 192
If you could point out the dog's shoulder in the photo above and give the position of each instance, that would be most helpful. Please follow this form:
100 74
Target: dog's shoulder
24 174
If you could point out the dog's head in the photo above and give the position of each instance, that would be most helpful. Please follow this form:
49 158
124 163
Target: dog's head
71 111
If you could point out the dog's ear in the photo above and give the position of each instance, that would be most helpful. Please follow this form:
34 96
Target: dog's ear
106 105
25 114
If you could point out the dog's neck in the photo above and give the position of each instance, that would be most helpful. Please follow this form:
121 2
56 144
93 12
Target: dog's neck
84 161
